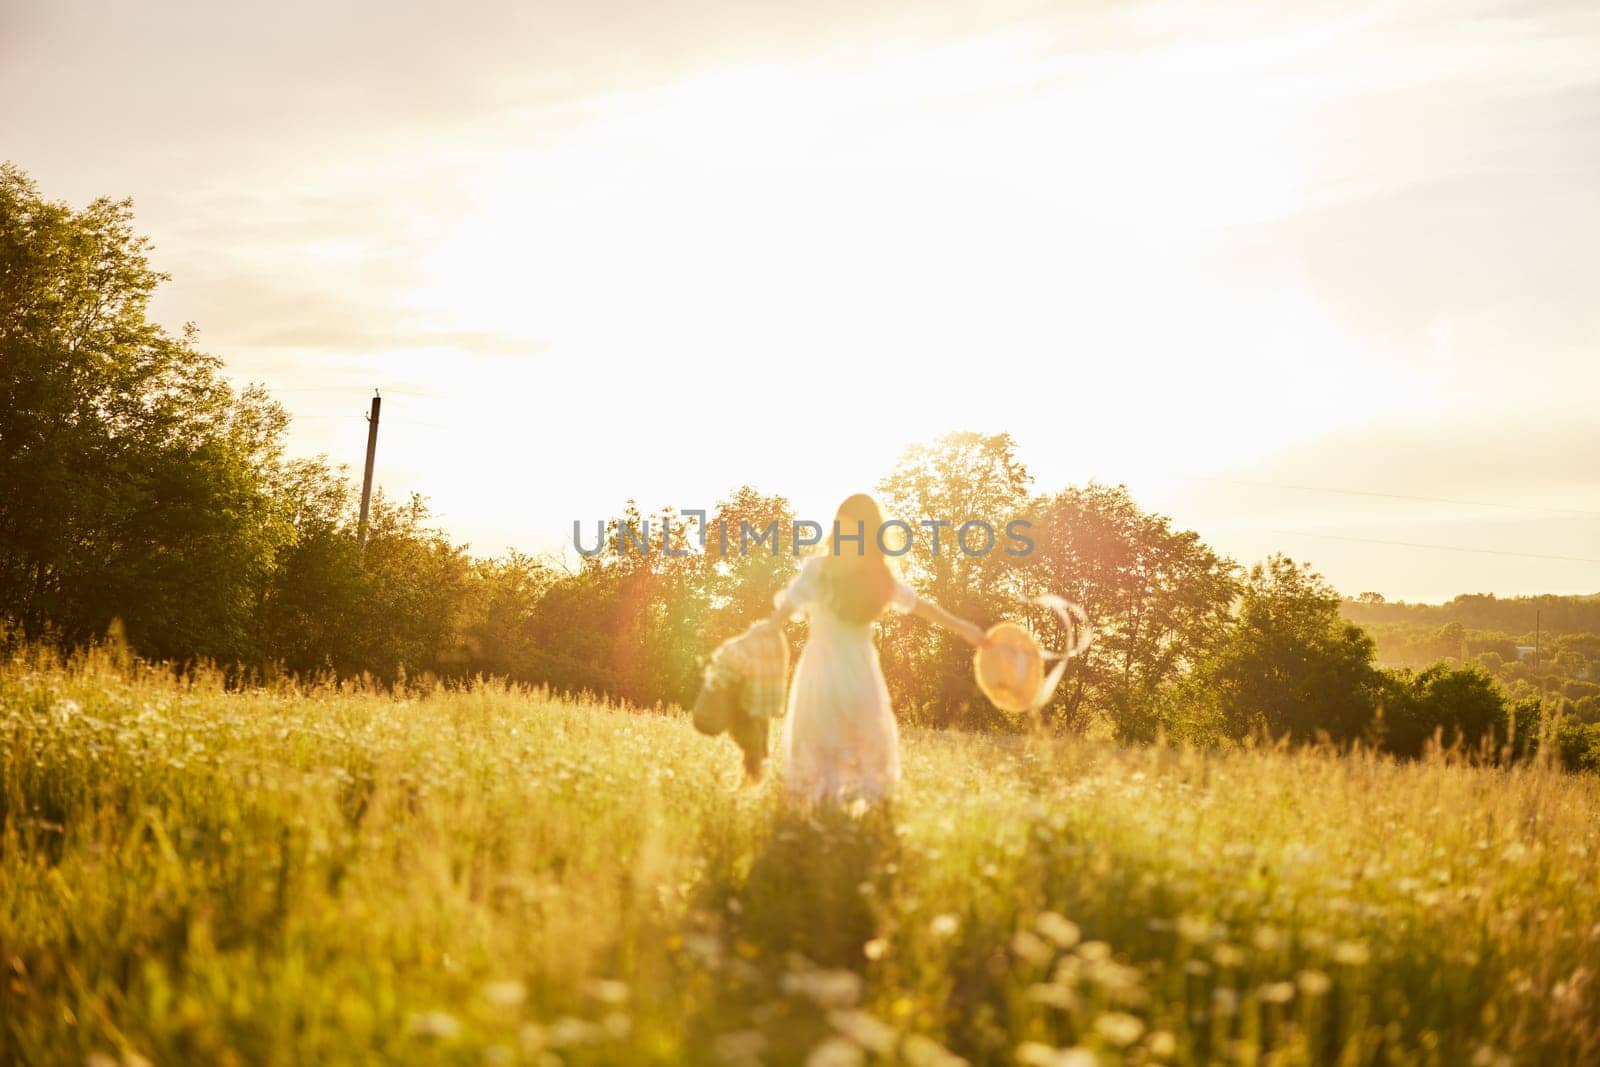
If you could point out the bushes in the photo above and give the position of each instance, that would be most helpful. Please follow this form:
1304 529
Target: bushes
1578 744
1458 705
1288 665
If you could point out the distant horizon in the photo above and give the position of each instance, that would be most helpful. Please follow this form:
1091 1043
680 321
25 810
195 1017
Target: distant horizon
555 543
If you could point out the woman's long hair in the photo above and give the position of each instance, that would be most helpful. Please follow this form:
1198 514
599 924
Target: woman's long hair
856 579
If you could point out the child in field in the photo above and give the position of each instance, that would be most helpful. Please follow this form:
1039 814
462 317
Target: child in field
743 691
839 738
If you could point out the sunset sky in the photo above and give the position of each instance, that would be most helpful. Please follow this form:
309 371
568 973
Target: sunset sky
1326 282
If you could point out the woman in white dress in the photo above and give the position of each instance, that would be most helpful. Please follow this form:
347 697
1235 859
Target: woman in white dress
839 737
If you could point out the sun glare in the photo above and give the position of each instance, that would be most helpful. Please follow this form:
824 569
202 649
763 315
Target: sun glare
1043 226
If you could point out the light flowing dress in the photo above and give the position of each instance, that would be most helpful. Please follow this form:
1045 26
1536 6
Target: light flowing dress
839 737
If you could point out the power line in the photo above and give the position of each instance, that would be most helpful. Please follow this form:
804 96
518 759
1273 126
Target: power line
420 422
392 418
1397 496
1443 548
398 390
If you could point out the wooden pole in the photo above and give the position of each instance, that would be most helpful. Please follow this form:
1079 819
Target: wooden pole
366 481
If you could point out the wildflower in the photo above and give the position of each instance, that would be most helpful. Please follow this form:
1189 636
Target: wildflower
835 1051
435 1024
1351 953
1227 955
1314 983
1276 993
607 990
1094 951
1034 1054
919 1050
1116 978
507 993
1162 1044
1032 947
1267 939
875 949
1119 1028
1063 931
1053 995
829 989
568 1030
944 925
865 1030
740 1045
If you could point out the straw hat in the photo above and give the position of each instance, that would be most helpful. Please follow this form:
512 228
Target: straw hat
1009 664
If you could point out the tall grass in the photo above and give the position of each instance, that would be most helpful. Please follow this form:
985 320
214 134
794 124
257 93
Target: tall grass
498 876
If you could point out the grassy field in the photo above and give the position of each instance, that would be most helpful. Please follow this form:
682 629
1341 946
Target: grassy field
499 877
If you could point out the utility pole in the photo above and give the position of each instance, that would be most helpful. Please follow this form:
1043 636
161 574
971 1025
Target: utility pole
366 481
1538 679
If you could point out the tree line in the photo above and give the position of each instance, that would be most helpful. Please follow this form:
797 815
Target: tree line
140 490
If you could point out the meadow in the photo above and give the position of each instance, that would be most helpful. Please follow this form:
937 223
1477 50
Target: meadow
491 875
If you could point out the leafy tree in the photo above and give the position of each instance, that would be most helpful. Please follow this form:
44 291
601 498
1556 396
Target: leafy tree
1577 744
1158 598
1455 705
1451 641
502 603
415 584
738 586
400 605
959 478
134 482
1289 665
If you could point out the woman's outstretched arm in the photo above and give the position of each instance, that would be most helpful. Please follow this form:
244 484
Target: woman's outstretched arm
969 632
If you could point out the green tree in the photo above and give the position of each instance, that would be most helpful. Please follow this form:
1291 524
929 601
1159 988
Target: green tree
1289 665
1456 706
502 604
738 586
400 605
959 478
1158 598
134 482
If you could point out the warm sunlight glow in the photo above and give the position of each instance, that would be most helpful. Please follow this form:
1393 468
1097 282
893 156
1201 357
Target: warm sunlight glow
1305 246
983 213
